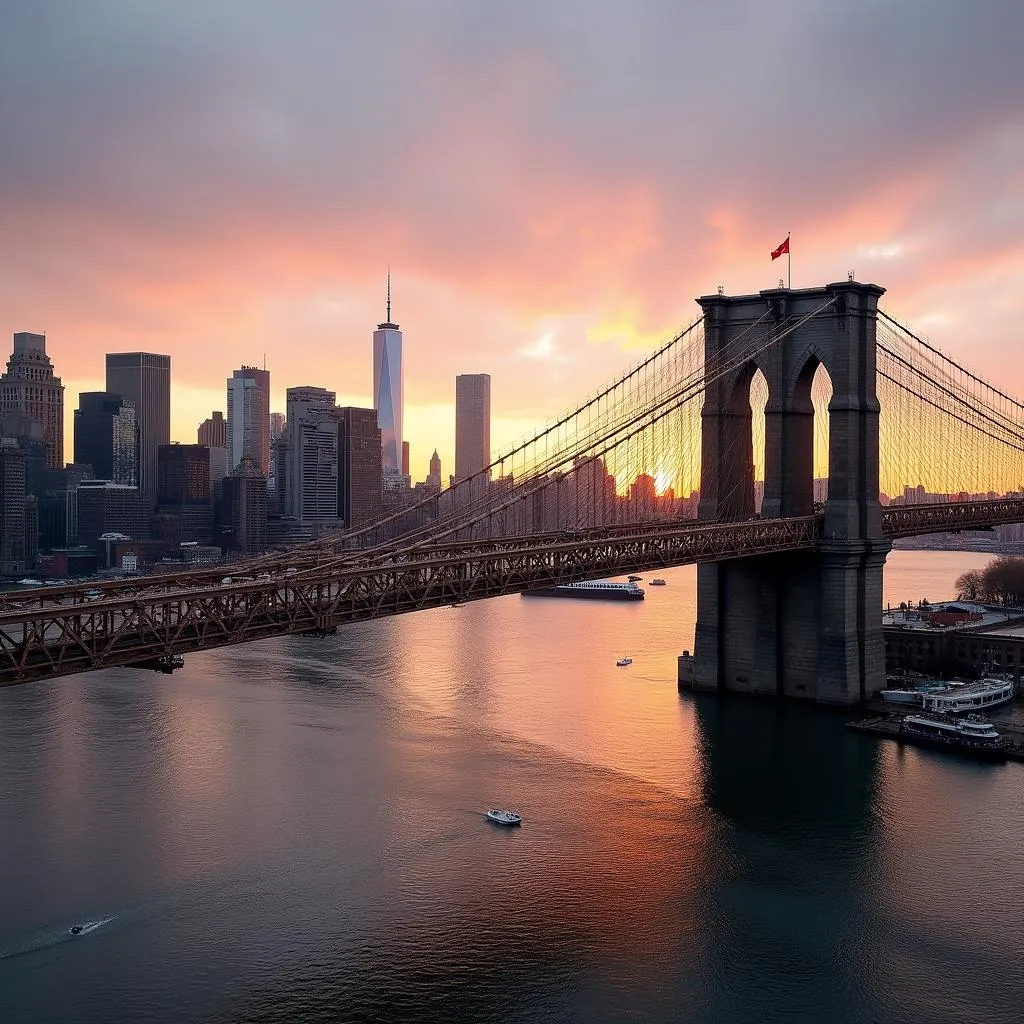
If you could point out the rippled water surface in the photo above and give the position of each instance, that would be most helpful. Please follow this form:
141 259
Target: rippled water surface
293 831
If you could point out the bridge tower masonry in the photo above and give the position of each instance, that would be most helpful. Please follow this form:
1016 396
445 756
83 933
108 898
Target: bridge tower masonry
805 625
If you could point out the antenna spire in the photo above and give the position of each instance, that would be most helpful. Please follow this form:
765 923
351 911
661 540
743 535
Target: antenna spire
389 296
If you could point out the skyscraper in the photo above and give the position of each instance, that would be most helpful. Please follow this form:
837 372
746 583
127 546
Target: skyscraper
389 390
472 424
360 488
29 387
144 378
184 493
12 507
245 507
434 476
213 431
107 437
249 417
289 464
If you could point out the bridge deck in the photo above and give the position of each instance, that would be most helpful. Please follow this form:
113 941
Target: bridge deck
55 631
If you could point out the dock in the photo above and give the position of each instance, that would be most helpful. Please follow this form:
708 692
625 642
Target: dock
888 724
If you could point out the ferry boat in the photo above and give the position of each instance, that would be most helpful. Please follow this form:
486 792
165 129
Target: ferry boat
969 696
970 735
592 589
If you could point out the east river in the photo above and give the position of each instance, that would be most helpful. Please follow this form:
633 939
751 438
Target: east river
293 831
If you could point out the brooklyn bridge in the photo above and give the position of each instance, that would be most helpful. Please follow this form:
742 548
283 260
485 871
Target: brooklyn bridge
757 443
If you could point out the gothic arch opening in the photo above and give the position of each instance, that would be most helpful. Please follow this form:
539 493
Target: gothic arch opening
810 438
737 454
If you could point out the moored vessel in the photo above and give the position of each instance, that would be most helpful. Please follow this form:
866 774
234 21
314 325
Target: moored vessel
657 583
970 735
969 696
592 589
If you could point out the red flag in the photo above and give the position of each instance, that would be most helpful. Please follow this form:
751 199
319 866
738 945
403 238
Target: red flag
776 253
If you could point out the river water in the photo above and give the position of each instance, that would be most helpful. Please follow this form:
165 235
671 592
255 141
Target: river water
293 831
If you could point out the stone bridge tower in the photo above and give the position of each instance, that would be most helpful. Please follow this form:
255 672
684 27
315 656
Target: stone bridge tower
806 624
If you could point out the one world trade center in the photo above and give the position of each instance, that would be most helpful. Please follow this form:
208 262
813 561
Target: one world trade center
389 390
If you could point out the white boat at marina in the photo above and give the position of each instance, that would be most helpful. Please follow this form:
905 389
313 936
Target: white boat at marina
502 817
970 735
912 696
969 696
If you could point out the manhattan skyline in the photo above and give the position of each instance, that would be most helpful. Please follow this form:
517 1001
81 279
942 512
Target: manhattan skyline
540 211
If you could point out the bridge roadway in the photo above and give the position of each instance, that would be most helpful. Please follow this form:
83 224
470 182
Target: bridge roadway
54 631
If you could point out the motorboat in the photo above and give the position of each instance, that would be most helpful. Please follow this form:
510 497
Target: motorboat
634 579
75 929
501 817
657 583
622 662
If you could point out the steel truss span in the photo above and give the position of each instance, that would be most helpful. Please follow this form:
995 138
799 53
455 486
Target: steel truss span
54 639
915 520
58 631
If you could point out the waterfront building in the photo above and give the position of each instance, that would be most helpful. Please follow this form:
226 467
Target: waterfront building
249 417
12 508
107 437
360 487
30 388
144 379
389 390
472 424
213 431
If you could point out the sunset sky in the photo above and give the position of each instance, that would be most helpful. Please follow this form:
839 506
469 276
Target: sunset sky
552 184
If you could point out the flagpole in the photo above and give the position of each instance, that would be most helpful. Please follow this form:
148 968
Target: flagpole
789 259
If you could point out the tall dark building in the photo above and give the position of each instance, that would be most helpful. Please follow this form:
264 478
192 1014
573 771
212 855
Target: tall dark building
12 508
245 507
183 475
184 499
29 387
104 507
107 437
144 379
360 471
472 424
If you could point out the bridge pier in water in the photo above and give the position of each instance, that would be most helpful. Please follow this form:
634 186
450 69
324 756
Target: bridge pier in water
807 624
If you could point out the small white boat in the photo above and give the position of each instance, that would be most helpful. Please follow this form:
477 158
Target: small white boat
657 583
622 662
500 817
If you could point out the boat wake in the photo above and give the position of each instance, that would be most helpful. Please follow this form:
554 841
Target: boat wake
45 938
